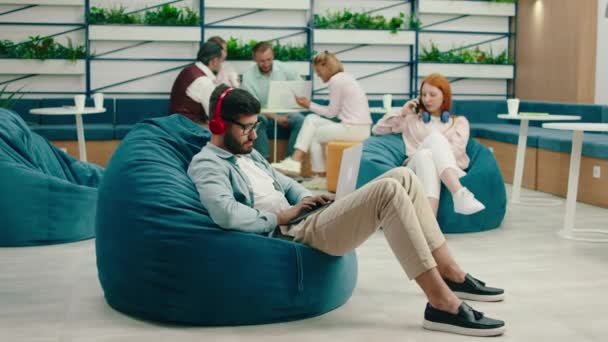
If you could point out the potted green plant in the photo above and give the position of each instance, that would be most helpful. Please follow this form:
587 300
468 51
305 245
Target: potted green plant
41 55
468 7
165 23
468 63
364 28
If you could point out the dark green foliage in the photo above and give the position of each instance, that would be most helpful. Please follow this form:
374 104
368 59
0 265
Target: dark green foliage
414 22
170 15
41 48
352 20
164 15
97 15
468 56
116 15
237 50
290 53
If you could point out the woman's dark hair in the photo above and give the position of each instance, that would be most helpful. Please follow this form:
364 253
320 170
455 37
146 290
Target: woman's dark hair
238 101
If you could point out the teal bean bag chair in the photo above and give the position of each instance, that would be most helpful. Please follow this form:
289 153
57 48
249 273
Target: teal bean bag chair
46 196
483 178
160 257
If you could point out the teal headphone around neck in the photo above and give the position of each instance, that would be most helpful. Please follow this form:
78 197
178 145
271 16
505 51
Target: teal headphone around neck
445 116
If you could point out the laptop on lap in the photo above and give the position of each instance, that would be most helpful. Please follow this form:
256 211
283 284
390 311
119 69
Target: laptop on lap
347 179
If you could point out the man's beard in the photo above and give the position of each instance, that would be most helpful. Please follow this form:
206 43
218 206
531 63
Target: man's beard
235 147
266 71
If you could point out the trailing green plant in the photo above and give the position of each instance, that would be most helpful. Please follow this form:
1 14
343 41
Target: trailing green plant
348 19
468 56
7 98
237 50
37 47
164 15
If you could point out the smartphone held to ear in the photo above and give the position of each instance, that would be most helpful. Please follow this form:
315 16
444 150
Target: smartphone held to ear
419 107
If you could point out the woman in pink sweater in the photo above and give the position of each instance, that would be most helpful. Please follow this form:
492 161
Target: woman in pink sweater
435 143
347 102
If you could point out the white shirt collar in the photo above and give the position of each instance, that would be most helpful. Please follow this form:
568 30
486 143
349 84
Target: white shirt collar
206 70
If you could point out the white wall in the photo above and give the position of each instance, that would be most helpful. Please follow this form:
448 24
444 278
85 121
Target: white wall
601 69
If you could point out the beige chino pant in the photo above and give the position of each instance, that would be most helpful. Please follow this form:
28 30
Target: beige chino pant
394 201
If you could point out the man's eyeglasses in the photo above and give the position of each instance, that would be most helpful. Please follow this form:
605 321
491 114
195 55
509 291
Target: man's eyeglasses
247 129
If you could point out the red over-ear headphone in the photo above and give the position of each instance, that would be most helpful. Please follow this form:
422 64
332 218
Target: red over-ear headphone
217 124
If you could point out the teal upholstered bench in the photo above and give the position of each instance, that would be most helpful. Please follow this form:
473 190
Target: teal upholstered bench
484 124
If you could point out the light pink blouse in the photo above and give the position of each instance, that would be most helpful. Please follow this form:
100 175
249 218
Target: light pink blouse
347 101
414 131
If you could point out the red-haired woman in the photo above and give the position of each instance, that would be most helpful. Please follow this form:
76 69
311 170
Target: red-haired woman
435 142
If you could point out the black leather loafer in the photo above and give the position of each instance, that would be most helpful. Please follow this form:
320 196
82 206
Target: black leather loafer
466 322
475 289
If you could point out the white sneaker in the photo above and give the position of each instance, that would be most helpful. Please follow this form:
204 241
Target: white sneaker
316 183
465 202
288 166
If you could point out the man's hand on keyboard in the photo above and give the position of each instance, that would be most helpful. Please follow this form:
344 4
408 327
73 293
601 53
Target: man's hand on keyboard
322 199
292 212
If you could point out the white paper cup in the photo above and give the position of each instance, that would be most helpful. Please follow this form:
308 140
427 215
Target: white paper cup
79 102
513 106
387 101
98 100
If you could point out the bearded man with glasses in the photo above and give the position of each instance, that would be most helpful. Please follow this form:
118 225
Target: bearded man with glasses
241 191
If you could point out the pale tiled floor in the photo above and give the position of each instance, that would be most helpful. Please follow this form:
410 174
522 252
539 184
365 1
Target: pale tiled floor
557 291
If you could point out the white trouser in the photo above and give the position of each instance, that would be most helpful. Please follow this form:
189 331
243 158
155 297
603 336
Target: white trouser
433 157
317 130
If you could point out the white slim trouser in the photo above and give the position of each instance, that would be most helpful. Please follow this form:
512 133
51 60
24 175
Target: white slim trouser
317 130
433 157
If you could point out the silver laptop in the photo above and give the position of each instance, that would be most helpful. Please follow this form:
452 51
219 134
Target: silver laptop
347 179
349 170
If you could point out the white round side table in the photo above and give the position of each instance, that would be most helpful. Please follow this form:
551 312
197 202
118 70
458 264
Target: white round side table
568 231
523 140
71 110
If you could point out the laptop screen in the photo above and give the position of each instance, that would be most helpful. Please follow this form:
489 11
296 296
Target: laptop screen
349 170
281 94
